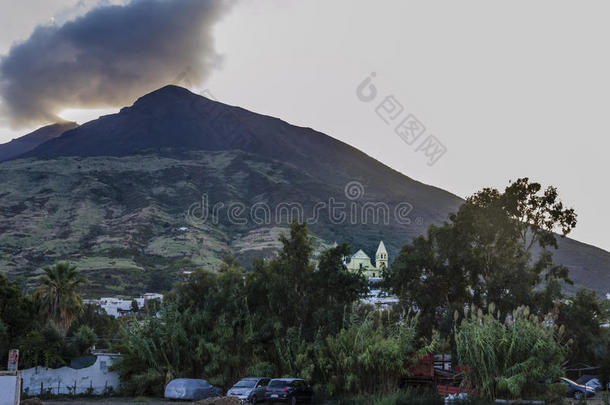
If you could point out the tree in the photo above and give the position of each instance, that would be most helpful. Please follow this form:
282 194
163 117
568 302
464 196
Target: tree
16 315
105 326
484 254
582 317
44 346
298 294
135 308
57 295
84 338
226 324
334 289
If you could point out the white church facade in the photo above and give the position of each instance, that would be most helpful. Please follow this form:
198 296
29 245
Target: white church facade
360 261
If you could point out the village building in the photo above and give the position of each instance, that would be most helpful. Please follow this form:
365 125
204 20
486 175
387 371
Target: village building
361 262
116 307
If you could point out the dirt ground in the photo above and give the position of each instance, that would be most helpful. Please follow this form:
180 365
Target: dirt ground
149 401
212 401
115 401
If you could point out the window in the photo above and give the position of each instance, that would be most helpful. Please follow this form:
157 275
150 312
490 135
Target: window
245 383
263 383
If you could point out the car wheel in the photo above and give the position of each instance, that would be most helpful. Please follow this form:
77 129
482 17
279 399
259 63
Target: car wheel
254 400
577 395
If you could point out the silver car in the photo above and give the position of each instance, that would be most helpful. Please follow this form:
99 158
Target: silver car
250 389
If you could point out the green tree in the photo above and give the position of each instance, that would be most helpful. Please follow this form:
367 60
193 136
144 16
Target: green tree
45 346
135 308
295 293
582 316
105 326
202 330
484 254
334 288
226 324
84 338
16 315
57 295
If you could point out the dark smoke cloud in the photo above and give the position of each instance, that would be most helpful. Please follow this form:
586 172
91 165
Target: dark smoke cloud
108 57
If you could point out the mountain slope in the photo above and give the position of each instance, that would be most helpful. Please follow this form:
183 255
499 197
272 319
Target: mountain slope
173 118
28 142
122 195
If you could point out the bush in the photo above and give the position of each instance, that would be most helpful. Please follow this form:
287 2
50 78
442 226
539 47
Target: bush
84 338
370 354
515 359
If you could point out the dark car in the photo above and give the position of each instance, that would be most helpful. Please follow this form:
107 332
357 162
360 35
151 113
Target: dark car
576 390
288 390
250 389
191 388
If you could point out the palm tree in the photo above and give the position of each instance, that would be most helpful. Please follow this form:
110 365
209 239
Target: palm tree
57 297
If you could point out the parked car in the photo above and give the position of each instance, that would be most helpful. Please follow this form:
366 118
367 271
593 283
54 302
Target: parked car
288 390
191 388
590 381
250 389
577 391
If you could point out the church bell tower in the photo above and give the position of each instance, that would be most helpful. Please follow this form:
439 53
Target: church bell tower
381 257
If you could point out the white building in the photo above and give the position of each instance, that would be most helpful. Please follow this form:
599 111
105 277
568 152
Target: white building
118 306
381 299
360 261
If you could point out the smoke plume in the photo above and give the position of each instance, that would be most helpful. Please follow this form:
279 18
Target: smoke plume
108 57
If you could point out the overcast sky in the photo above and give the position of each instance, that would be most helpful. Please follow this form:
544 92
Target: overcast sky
510 90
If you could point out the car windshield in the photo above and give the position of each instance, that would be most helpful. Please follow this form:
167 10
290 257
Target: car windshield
245 384
189 383
279 383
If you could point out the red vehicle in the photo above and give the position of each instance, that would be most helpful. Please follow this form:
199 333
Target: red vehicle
435 372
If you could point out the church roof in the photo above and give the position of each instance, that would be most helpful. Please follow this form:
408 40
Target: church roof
381 248
360 255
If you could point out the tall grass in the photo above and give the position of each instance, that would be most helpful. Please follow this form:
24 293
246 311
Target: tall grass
515 359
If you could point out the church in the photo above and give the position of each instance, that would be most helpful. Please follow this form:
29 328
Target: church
360 261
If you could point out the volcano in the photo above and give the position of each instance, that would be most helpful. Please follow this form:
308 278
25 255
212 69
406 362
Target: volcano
178 180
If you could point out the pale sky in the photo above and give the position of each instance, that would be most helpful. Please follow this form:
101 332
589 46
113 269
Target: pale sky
511 89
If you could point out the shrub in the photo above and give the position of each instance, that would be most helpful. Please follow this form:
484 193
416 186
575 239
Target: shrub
519 358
